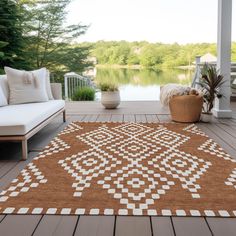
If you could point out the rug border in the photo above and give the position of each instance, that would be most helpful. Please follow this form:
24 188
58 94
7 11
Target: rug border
96 212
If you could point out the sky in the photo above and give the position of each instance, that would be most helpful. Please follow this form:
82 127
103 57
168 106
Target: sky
166 21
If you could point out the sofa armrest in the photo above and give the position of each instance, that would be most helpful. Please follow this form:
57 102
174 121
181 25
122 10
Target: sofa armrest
56 91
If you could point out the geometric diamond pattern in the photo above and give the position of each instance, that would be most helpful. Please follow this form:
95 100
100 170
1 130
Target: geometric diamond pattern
231 180
72 127
57 145
182 166
136 188
30 177
126 169
213 148
166 138
85 166
132 129
194 130
131 148
100 137
134 184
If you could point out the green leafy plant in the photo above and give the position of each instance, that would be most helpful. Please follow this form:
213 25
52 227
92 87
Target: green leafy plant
84 94
108 87
210 82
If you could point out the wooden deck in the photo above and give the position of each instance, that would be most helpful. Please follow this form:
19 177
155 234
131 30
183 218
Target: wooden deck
222 131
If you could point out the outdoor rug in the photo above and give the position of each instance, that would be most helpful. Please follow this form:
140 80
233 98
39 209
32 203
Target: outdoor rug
126 169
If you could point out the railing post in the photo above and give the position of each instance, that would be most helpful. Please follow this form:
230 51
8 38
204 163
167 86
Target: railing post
72 81
222 108
197 72
198 60
66 86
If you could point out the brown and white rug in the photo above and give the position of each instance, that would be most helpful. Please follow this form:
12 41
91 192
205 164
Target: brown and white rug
126 169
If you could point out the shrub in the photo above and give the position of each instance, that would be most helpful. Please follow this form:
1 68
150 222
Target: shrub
210 82
84 94
108 87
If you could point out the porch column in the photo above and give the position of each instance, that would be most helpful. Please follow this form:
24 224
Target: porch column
222 106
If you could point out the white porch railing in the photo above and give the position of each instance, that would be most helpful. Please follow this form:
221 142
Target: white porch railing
197 74
73 81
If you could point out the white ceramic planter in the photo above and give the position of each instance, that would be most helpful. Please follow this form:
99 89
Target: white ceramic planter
206 117
110 100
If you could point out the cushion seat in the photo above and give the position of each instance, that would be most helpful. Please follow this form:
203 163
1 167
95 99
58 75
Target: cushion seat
20 119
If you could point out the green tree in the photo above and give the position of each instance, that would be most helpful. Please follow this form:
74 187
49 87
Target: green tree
233 57
156 55
133 59
10 34
48 39
120 54
150 57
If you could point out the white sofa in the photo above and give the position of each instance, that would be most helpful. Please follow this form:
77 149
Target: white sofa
21 122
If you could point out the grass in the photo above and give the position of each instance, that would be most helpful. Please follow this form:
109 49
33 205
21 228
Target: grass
108 87
84 94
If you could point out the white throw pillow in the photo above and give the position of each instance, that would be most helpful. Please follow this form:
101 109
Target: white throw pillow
3 99
48 86
27 86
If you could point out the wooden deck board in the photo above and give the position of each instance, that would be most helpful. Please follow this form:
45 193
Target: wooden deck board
75 117
7 167
133 225
2 164
228 128
56 225
129 118
194 226
140 107
117 118
140 118
22 225
164 118
222 226
90 118
162 226
104 118
1 218
219 139
222 133
152 118
95 225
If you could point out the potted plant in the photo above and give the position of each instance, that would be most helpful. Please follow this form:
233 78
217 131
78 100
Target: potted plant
110 95
210 82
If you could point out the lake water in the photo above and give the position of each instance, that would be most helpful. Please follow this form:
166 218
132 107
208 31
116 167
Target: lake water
143 84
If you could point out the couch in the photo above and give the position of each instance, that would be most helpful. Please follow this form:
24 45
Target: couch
21 122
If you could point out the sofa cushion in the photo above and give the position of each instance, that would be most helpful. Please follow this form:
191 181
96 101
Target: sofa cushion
3 91
4 86
20 119
3 99
48 86
27 86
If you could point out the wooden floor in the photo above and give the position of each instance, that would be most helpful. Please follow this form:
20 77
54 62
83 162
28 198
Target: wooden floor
222 131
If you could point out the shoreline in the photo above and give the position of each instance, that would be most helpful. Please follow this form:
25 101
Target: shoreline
139 67
115 66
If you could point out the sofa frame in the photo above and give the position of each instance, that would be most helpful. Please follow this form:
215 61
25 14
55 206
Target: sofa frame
56 90
24 138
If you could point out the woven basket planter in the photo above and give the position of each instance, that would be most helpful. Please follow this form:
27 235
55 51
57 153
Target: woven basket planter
186 108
